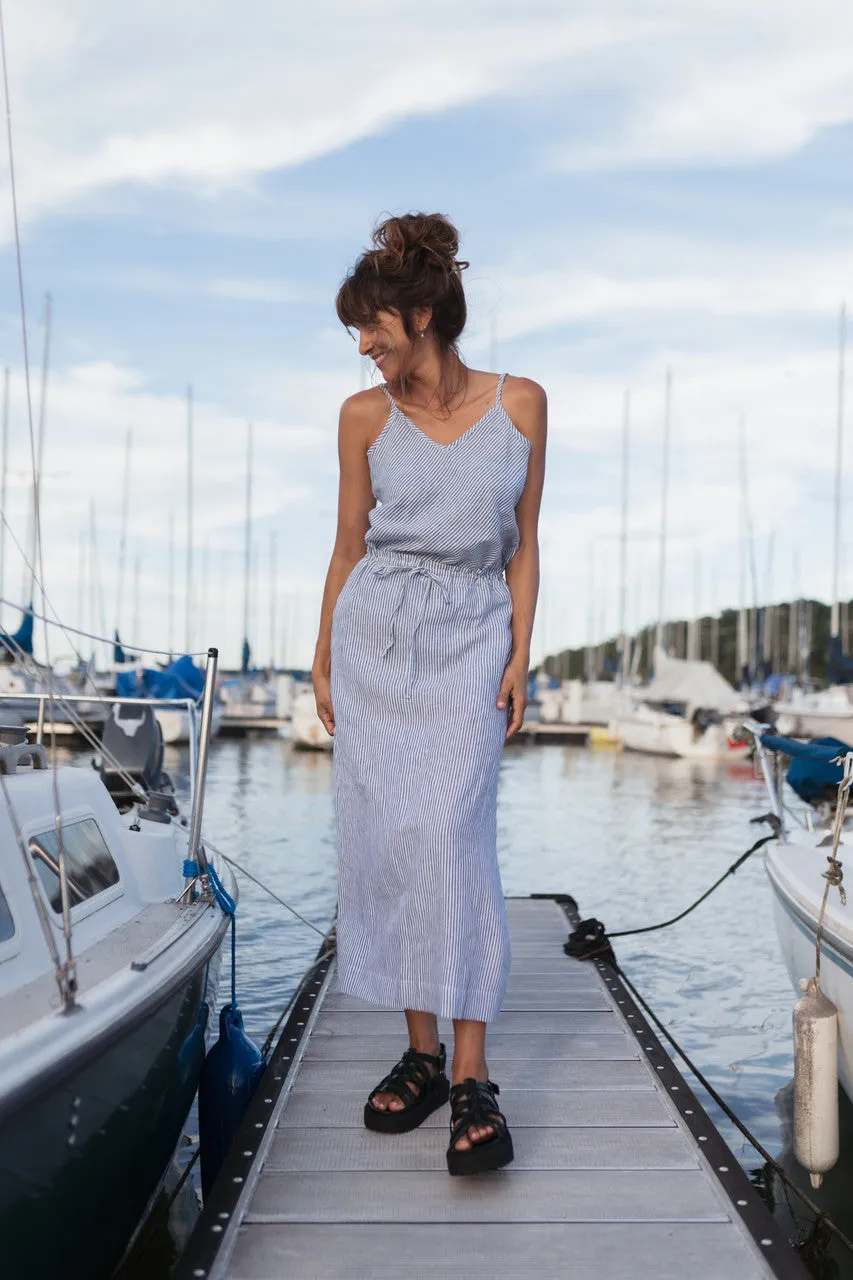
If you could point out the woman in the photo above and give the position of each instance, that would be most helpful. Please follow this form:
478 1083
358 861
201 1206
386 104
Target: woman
421 673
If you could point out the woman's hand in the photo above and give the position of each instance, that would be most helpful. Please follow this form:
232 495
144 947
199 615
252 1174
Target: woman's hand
323 698
513 692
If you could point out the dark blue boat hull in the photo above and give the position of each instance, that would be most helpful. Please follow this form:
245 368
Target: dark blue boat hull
80 1163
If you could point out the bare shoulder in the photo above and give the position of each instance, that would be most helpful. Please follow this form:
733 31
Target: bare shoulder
527 405
363 416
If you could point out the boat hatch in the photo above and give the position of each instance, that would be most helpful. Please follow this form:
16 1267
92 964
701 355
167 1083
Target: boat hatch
89 865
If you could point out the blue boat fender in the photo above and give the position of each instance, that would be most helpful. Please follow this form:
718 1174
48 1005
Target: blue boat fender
229 1078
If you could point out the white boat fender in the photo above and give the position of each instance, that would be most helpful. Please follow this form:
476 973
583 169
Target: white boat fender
815 1081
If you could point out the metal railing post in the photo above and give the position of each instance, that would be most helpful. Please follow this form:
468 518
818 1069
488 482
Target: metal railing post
756 729
40 724
195 851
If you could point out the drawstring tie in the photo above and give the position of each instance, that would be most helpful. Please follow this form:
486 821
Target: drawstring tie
411 572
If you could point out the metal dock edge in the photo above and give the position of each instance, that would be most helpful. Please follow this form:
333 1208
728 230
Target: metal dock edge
619 1172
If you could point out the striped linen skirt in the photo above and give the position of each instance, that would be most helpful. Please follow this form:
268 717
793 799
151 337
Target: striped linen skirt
419 647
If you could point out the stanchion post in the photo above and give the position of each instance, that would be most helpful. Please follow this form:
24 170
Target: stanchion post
195 850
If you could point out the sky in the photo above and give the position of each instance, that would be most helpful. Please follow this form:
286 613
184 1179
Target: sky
640 186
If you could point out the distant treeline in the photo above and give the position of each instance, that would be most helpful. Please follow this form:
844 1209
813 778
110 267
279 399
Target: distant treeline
767 629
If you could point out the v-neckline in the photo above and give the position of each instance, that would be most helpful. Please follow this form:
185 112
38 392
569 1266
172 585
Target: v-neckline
445 444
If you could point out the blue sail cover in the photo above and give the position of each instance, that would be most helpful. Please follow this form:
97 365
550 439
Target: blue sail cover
22 640
182 679
811 773
839 668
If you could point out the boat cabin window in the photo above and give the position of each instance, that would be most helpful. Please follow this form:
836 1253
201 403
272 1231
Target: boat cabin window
89 866
7 924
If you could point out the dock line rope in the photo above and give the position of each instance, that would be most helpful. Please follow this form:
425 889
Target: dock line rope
109 641
821 1219
590 938
834 874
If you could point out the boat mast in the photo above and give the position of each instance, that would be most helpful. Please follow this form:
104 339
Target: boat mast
273 600
122 546
189 585
32 540
667 423
839 441
624 639
4 472
247 557
170 630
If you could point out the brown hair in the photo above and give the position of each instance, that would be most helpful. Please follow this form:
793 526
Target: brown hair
413 264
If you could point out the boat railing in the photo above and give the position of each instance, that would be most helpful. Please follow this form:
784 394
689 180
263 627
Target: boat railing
756 730
109 700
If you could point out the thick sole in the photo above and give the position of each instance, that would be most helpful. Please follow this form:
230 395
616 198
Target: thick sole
483 1157
410 1117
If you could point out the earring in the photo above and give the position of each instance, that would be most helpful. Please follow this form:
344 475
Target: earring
421 332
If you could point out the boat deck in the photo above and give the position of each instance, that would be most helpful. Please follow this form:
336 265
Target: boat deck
618 1171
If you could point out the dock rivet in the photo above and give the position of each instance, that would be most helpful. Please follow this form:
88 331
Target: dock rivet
702 1138
236 1179
742 1204
724 1168
259 1125
674 1088
247 1153
223 1215
688 1113
216 1227
198 1272
660 1066
767 1243
267 1099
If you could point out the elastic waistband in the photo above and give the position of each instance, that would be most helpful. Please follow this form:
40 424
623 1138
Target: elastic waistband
433 564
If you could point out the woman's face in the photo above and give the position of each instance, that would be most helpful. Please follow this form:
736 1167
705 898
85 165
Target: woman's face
388 345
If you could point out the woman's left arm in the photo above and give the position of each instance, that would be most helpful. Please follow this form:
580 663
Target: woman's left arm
527 406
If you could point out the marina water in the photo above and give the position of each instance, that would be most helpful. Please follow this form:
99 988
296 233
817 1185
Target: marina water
633 838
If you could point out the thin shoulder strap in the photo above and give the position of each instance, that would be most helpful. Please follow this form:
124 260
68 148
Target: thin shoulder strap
501 381
382 387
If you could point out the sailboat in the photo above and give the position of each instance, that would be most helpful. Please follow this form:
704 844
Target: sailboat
248 699
688 710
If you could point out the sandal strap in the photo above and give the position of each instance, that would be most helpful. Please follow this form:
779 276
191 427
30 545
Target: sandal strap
473 1106
411 1078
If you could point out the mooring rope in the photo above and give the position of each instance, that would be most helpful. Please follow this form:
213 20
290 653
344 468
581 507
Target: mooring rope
590 938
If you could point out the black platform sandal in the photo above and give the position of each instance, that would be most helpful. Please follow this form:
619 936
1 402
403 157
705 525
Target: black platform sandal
420 1090
474 1107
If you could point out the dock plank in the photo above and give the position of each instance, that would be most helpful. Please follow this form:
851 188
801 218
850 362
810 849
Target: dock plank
513 1073
548 1251
604 1046
554 1195
423 1150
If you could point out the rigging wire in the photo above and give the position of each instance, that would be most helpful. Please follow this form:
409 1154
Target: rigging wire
68 985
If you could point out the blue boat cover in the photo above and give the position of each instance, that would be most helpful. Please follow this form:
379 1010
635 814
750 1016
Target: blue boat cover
181 679
22 640
811 774
839 667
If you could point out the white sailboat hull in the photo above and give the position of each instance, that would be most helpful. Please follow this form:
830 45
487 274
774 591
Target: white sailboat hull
796 877
658 733
175 723
306 727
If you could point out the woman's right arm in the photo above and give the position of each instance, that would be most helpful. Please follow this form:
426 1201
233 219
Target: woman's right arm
358 426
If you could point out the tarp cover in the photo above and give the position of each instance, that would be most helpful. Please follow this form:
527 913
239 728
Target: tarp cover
839 667
811 774
22 640
695 684
182 679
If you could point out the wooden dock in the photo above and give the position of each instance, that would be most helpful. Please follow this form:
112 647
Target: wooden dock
618 1170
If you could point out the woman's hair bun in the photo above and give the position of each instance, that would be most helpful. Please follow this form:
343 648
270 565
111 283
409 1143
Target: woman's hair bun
414 233
412 264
